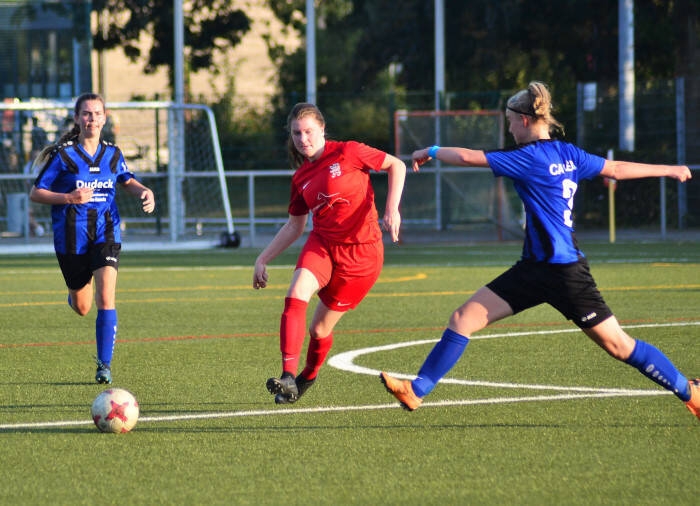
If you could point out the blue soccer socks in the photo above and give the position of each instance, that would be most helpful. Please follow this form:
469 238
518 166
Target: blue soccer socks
648 359
653 364
106 334
443 356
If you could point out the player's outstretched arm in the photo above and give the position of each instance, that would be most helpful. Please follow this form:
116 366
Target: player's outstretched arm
463 157
620 170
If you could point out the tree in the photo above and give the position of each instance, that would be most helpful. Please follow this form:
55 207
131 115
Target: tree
211 26
493 47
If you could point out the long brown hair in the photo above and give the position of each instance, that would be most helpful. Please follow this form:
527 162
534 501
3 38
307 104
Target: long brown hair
69 136
299 111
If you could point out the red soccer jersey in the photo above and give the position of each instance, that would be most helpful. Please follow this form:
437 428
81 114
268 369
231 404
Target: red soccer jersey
336 188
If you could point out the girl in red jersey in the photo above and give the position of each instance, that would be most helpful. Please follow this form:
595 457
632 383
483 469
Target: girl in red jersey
343 254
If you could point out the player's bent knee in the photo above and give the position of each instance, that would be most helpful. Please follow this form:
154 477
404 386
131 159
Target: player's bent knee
82 309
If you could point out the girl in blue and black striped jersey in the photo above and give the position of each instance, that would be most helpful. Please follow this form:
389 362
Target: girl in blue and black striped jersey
546 173
78 177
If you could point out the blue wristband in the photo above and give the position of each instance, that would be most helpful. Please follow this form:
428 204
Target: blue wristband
432 152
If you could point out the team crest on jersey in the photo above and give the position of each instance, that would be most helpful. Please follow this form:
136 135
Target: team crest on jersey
94 169
335 170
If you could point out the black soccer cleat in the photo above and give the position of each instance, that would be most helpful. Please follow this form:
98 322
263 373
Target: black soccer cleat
303 385
284 389
103 375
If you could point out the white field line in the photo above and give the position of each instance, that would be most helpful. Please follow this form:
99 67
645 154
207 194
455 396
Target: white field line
344 362
336 409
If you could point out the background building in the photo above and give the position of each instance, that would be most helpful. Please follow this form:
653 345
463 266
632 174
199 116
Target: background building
44 53
247 67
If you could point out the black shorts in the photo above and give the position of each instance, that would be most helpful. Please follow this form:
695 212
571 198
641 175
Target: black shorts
569 288
77 269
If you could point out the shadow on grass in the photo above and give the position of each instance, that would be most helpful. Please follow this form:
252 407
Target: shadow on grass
145 427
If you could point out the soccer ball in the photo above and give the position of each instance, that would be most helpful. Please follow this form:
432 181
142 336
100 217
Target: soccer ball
115 410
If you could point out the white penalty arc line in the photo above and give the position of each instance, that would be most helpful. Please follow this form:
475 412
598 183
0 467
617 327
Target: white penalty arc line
345 362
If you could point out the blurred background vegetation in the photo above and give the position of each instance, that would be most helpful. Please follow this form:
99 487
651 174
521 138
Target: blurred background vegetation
376 56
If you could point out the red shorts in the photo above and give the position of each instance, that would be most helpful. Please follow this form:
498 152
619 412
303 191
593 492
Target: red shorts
345 272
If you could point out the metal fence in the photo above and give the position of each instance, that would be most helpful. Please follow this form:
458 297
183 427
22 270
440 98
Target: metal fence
173 149
200 198
667 130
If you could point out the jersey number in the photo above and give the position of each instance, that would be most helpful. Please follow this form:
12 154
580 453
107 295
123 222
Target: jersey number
568 192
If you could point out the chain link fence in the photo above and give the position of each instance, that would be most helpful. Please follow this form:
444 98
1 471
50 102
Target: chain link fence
201 194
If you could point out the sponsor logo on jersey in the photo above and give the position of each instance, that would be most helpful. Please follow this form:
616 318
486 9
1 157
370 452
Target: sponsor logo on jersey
95 185
94 169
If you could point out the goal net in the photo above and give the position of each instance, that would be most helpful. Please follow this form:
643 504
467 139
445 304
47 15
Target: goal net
446 197
172 149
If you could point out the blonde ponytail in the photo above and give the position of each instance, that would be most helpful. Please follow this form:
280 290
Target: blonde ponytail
536 101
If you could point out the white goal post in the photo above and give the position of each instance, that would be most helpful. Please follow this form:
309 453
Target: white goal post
172 148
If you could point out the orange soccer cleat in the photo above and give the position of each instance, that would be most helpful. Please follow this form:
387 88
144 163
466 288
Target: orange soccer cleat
402 390
694 403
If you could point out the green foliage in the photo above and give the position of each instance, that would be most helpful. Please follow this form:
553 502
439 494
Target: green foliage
490 46
210 26
369 63
246 136
364 119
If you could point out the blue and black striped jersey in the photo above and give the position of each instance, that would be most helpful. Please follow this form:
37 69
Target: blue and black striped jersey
546 175
75 226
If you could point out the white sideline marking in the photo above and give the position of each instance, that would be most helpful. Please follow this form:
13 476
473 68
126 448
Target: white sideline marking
344 362
335 409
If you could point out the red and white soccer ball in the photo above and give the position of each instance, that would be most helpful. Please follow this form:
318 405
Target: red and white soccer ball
115 410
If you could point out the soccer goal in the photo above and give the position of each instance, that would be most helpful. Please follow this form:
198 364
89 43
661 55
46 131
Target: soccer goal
172 149
447 197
